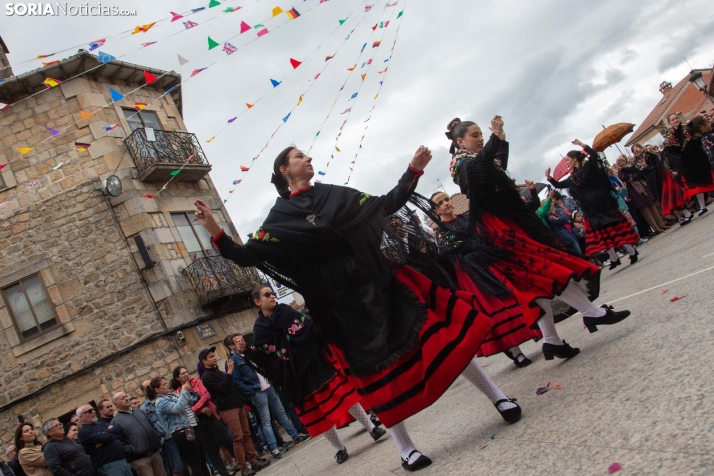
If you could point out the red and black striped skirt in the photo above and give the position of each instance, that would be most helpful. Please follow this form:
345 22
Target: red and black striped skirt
690 192
672 194
609 236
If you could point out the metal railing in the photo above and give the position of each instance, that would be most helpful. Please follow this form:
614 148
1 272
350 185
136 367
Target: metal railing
215 277
169 148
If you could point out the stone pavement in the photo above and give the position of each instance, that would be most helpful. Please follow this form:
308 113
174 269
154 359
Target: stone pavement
639 393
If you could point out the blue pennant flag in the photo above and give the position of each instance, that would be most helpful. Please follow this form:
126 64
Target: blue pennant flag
321 173
116 95
363 47
353 96
274 83
105 58
285 119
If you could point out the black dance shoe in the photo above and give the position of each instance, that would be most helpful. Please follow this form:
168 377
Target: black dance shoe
686 221
377 433
375 420
341 456
702 211
561 351
511 415
633 258
611 317
519 363
614 264
420 463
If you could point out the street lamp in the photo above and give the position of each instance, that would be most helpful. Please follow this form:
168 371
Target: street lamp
697 79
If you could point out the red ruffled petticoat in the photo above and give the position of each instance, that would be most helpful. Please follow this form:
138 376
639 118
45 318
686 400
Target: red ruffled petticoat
672 194
689 193
535 271
329 406
509 329
448 341
609 236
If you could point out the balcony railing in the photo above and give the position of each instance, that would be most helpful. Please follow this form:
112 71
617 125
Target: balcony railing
216 279
157 159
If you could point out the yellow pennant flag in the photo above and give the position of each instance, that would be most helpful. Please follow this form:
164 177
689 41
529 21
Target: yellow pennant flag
24 150
84 114
364 76
300 99
376 96
209 140
248 105
277 11
337 149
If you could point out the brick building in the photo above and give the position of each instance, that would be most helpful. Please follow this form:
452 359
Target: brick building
97 292
683 98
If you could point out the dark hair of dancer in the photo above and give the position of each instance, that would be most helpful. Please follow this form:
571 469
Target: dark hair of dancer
695 127
456 129
577 155
255 293
277 179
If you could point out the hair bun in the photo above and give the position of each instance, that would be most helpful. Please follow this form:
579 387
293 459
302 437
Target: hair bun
450 127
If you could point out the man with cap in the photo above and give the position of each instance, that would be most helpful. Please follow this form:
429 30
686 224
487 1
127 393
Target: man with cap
229 403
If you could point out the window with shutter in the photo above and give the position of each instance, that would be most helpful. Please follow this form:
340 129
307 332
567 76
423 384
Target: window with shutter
30 308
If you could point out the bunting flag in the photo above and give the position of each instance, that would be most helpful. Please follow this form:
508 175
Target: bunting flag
209 140
175 16
383 24
196 71
285 119
142 28
50 63
376 43
212 43
400 14
95 44
370 117
320 173
364 76
139 106
24 150
342 22
391 4
213 3
374 27
383 71
2 166
376 96
175 173
54 132
352 68
51 83
249 105
236 182
337 149
148 195
116 95
243 168
244 27
228 48
81 146
47 56
105 58
274 83
189 24
329 57
32 184
150 78
368 7
345 112
232 119
263 32
363 47
111 128
353 96
295 63
300 99
194 10
58 166
317 75
277 11
149 43
292 14
182 61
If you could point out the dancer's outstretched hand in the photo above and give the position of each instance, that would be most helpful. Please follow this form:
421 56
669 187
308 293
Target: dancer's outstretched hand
578 143
205 216
421 158
497 127
547 172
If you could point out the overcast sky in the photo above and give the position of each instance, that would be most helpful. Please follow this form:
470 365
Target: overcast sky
555 70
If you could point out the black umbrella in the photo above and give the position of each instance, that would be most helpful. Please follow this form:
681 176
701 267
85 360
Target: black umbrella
526 191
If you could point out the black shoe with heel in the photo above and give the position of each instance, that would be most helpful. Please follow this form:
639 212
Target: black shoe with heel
525 362
421 462
614 264
377 433
511 415
611 317
633 258
564 351
341 456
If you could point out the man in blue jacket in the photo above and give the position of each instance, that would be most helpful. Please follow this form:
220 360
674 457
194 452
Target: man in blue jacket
101 442
262 395
64 457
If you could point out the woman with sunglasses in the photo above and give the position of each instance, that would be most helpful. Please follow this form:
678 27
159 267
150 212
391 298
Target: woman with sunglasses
508 245
403 338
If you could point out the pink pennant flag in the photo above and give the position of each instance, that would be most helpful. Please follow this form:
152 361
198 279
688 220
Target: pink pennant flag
244 27
175 16
262 32
346 110
317 75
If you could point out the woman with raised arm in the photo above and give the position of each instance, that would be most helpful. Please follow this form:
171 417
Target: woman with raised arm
522 255
683 153
401 339
606 228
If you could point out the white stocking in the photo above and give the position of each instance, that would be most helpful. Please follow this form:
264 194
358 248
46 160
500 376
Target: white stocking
547 324
613 255
630 250
475 374
517 353
361 416
331 436
405 446
573 296
700 199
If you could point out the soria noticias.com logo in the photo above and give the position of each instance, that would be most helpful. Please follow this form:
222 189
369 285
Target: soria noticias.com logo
64 9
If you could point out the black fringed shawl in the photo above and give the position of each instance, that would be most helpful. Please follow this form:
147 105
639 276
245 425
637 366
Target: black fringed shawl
288 351
335 246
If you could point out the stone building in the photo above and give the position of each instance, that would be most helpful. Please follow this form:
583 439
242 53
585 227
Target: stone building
99 292
5 68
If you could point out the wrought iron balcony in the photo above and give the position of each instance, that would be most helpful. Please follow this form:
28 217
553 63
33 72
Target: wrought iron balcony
216 279
158 159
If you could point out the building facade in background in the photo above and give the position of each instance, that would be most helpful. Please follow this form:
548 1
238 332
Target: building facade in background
100 292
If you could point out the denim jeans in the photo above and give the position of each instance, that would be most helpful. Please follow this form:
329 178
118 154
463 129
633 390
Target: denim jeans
266 401
116 468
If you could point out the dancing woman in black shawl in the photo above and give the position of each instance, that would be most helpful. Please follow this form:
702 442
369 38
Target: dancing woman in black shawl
304 374
523 256
606 228
401 339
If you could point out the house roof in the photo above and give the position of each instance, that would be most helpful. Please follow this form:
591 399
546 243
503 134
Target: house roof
4 46
684 97
18 87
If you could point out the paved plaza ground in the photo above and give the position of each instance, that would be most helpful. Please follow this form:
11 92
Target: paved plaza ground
639 393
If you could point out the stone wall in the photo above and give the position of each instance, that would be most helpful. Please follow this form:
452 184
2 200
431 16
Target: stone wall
108 302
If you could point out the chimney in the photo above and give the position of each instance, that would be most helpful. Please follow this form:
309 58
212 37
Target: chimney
665 88
5 68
